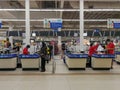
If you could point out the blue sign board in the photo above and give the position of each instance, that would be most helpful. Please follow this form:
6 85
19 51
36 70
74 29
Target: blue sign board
117 25
55 25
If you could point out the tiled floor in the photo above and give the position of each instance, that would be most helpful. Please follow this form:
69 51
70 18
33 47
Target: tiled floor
56 82
63 79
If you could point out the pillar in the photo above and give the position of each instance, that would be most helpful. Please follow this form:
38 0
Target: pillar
81 26
11 37
27 22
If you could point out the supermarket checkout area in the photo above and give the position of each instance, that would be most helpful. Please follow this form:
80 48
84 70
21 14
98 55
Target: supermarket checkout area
102 61
74 61
8 61
28 62
98 62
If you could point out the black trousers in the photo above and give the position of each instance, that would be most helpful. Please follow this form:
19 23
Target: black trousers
89 61
43 64
50 56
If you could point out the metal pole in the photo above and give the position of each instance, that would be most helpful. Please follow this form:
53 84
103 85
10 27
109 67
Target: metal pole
100 34
109 33
93 33
11 37
53 66
104 34
53 62
53 54
27 22
81 16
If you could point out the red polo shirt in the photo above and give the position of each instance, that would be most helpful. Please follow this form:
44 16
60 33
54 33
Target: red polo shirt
25 51
91 50
110 48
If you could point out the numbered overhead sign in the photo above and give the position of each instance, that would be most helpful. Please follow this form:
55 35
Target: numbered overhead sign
53 23
113 23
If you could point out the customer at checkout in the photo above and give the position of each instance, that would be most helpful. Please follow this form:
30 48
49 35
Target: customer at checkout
43 53
7 46
25 50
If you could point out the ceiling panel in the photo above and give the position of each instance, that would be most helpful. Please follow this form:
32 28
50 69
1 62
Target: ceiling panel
42 15
67 4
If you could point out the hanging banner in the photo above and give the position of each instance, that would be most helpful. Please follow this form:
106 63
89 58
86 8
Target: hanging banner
0 24
113 23
53 23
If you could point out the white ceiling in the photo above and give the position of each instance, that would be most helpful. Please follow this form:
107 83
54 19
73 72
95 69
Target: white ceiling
18 17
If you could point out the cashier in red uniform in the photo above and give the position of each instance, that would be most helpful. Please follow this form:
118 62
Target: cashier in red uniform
25 50
90 53
110 47
93 48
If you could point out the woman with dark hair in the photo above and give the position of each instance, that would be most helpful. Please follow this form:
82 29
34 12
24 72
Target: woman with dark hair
25 50
43 53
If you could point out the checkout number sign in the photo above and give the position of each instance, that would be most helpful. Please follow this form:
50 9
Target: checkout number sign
114 23
53 23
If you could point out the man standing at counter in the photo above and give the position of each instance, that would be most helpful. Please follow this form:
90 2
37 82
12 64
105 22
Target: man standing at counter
110 47
43 53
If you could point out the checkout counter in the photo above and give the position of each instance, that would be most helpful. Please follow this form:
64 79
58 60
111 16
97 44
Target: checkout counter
8 61
76 61
30 62
102 61
117 59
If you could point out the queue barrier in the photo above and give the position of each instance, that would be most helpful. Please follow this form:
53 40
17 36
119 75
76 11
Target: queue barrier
8 61
30 62
76 61
102 61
